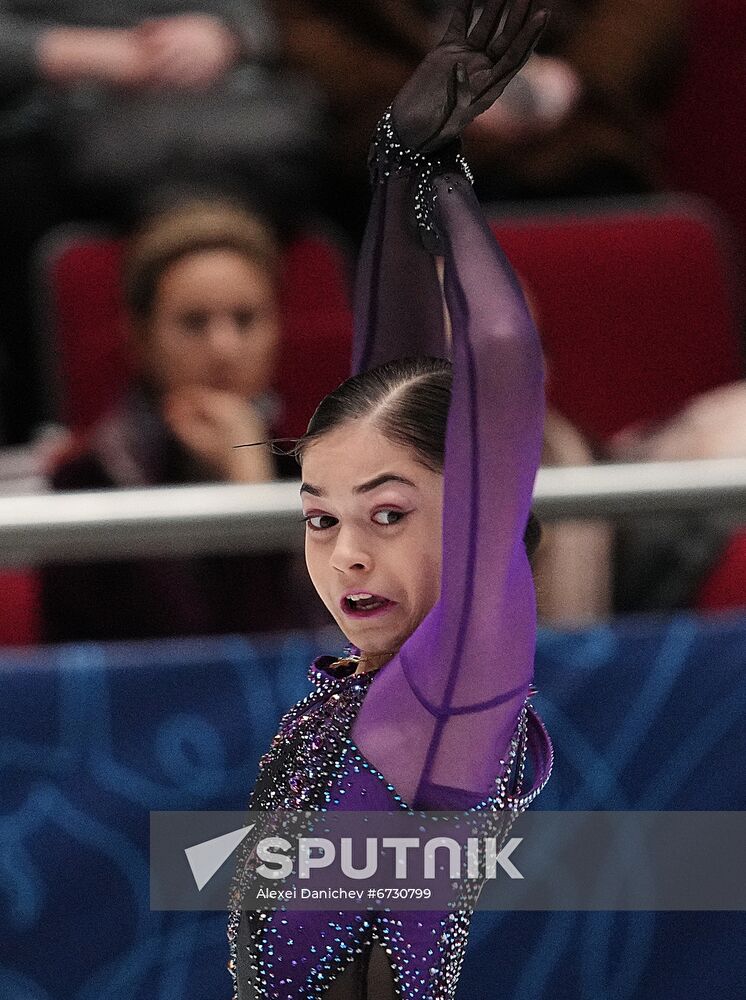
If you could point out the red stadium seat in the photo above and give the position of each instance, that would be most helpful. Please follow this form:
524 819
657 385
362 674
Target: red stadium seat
86 346
19 599
635 303
725 587
318 324
87 354
638 312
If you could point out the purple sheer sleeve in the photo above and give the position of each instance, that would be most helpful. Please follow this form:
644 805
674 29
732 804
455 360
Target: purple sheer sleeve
397 285
439 717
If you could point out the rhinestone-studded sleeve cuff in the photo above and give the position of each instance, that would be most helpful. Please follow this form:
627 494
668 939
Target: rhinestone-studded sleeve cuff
388 156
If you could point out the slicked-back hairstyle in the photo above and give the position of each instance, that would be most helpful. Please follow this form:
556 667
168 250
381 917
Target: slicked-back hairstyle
408 402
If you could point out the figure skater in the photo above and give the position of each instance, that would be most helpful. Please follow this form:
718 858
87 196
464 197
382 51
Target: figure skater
417 484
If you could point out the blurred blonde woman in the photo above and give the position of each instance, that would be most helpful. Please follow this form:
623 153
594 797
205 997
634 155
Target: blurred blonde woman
200 283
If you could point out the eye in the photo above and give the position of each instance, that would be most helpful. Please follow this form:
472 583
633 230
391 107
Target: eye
319 522
194 322
245 319
387 513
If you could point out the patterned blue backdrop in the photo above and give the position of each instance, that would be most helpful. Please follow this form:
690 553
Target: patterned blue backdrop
645 714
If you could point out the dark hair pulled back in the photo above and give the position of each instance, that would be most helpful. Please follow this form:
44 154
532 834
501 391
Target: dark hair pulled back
408 400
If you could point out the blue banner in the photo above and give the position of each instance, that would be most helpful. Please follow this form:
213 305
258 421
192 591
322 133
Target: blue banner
645 714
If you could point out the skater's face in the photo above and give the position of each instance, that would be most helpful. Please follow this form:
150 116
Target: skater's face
373 527
213 324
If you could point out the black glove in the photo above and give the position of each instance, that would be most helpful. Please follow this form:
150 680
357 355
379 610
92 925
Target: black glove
466 73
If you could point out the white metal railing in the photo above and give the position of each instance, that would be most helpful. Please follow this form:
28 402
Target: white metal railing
183 520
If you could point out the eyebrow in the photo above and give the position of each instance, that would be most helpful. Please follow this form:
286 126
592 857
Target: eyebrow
372 484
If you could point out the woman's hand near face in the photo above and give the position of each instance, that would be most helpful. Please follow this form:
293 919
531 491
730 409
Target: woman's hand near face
209 423
190 51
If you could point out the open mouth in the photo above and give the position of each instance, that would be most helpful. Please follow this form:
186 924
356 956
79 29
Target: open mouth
365 605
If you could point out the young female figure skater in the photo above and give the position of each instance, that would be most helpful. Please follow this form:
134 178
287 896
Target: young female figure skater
418 524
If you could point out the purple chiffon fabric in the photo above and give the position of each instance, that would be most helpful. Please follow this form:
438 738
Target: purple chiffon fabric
455 690
431 728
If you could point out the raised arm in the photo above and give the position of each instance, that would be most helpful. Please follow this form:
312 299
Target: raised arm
439 717
398 303
398 299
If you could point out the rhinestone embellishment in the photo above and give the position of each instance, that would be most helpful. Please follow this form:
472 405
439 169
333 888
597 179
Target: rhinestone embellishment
389 155
311 764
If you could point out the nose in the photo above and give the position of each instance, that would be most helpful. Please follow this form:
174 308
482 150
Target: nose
350 551
224 337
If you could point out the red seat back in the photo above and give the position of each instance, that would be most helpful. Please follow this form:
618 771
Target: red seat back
635 306
318 328
86 342
638 313
19 599
725 586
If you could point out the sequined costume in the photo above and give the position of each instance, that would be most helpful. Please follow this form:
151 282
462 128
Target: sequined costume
459 686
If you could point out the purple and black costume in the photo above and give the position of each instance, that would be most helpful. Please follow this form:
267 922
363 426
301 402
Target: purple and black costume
459 686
